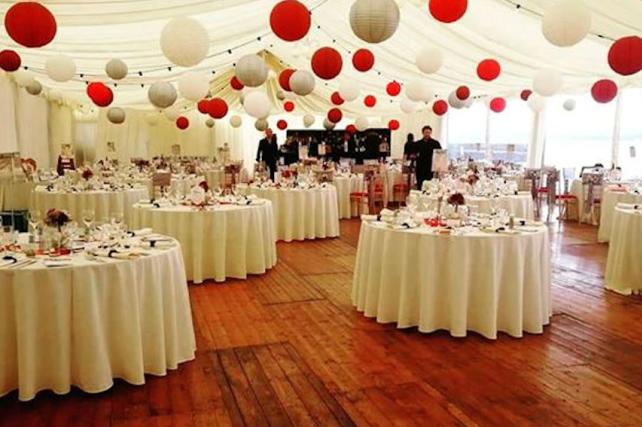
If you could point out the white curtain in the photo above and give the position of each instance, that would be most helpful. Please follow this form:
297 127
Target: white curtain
8 133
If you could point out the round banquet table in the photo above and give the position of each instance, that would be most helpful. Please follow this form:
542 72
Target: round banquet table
346 185
519 205
301 214
623 266
14 196
481 282
610 200
178 185
103 203
90 322
225 241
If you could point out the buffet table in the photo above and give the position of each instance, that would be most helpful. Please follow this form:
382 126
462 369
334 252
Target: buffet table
300 214
481 282
93 320
104 203
623 267
345 185
219 242
610 200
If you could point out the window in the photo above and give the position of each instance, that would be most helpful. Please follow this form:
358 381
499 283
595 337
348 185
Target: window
511 132
467 132
630 151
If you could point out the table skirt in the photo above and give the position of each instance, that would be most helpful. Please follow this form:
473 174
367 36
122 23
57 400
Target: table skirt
346 185
624 263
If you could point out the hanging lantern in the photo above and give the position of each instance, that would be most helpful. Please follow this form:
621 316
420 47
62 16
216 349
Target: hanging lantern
463 93
447 11
566 22
288 106
335 115
282 124
116 115
604 91
327 63
488 70
284 79
261 125
182 122
162 94
374 21
362 124
236 121
537 102
23 77
569 104
116 69
193 85
60 68
625 55
393 124
440 107
363 60
184 41
455 102
526 93
203 106
10 61
251 70
370 101
217 108
290 20
336 99
100 94
417 91
236 84
548 82
349 90
30 24
498 105
302 82
393 88
407 106
34 87
257 104
172 113
308 120
429 60
351 129
210 123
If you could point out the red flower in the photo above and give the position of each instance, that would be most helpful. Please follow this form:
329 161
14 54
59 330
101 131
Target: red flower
204 186
456 199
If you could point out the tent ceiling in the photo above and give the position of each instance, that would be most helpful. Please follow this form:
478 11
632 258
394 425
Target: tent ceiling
94 31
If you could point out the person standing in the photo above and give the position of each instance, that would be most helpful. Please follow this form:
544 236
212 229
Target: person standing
424 149
268 152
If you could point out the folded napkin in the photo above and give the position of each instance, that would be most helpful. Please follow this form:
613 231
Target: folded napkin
9 260
124 254
141 233
629 206
368 218
57 262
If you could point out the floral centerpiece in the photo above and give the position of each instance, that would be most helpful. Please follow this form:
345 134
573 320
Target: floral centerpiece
204 185
56 219
87 174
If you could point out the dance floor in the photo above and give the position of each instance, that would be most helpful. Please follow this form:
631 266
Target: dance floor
288 348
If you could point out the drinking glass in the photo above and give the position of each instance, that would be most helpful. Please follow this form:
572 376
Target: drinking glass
88 217
35 218
118 220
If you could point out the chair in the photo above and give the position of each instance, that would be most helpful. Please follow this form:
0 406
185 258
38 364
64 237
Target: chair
592 183
162 181
565 198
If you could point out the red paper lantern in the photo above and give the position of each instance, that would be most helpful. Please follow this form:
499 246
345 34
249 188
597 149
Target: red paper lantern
284 79
363 60
182 122
217 108
370 101
100 94
203 106
282 124
604 91
462 93
236 84
526 93
488 69
498 104
393 124
290 20
327 63
447 10
288 106
30 24
9 60
351 129
393 88
625 55
336 98
335 115
440 107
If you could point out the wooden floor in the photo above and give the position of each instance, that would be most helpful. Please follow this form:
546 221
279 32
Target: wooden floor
287 348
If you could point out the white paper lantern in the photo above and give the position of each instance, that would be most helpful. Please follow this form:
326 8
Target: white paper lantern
210 123
455 102
257 104
34 87
193 86
184 41
55 95
60 68
236 121
418 91
162 94
280 95
261 125
251 70
569 104
349 90
116 115
152 119
429 60
172 113
548 82
469 102
407 106
566 23
328 125
537 102
116 69
308 120
374 21
362 123
302 82
23 77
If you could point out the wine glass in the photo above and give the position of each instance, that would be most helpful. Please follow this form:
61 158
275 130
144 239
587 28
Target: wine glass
34 218
88 216
118 220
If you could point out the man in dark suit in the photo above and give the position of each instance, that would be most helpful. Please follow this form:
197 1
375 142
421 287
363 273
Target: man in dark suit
424 149
268 152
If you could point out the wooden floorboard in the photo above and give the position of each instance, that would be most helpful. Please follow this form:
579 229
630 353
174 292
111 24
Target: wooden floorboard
288 349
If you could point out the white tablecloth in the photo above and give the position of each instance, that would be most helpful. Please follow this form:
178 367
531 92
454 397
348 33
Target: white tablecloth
479 282
15 196
302 214
226 241
87 324
610 200
520 205
346 185
624 266
103 203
